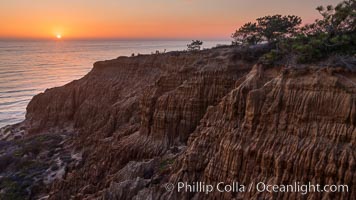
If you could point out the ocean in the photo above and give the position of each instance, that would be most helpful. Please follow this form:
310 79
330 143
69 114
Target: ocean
30 67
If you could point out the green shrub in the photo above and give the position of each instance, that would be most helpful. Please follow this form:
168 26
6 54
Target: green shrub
271 58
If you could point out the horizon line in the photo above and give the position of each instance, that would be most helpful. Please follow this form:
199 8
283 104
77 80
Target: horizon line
116 38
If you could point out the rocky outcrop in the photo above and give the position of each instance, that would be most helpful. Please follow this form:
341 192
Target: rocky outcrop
139 123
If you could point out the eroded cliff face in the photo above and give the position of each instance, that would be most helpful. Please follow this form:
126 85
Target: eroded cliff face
298 125
207 116
131 109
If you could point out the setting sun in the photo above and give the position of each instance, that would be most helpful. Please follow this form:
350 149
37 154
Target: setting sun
185 19
59 36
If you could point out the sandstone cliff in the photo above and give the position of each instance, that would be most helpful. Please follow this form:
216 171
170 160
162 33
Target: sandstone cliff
140 122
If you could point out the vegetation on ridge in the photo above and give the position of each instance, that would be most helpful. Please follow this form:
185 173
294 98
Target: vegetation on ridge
333 35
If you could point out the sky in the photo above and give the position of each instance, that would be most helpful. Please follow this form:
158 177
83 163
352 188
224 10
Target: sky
144 19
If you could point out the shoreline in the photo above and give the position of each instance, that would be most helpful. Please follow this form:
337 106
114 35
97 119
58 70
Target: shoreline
39 66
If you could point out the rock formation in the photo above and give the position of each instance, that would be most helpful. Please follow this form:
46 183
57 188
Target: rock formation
137 123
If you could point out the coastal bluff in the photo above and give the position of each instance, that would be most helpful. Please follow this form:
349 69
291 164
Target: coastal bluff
134 124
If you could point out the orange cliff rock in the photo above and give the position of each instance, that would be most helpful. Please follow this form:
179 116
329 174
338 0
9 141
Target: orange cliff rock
207 116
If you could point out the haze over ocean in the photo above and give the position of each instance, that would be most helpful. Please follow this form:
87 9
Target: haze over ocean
30 67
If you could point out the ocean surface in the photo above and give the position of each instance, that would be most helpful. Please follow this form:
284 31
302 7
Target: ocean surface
30 67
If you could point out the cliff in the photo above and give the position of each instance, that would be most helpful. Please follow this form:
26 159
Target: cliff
132 125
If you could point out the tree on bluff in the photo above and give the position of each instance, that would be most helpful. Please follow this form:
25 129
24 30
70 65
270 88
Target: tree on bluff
248 34
334 34
331 37
277 27
336 20
267 29
195 45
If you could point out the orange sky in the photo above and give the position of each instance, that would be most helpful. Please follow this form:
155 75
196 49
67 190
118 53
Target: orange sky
141 18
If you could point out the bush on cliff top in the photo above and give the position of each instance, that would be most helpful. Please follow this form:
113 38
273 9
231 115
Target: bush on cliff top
195 45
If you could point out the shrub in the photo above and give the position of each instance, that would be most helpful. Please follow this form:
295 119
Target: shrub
271 58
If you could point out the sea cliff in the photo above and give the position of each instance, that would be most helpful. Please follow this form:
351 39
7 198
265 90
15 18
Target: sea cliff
134 124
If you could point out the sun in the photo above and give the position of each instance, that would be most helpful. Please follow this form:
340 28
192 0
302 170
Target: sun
59 36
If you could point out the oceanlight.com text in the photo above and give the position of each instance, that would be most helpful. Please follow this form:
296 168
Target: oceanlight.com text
296 187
